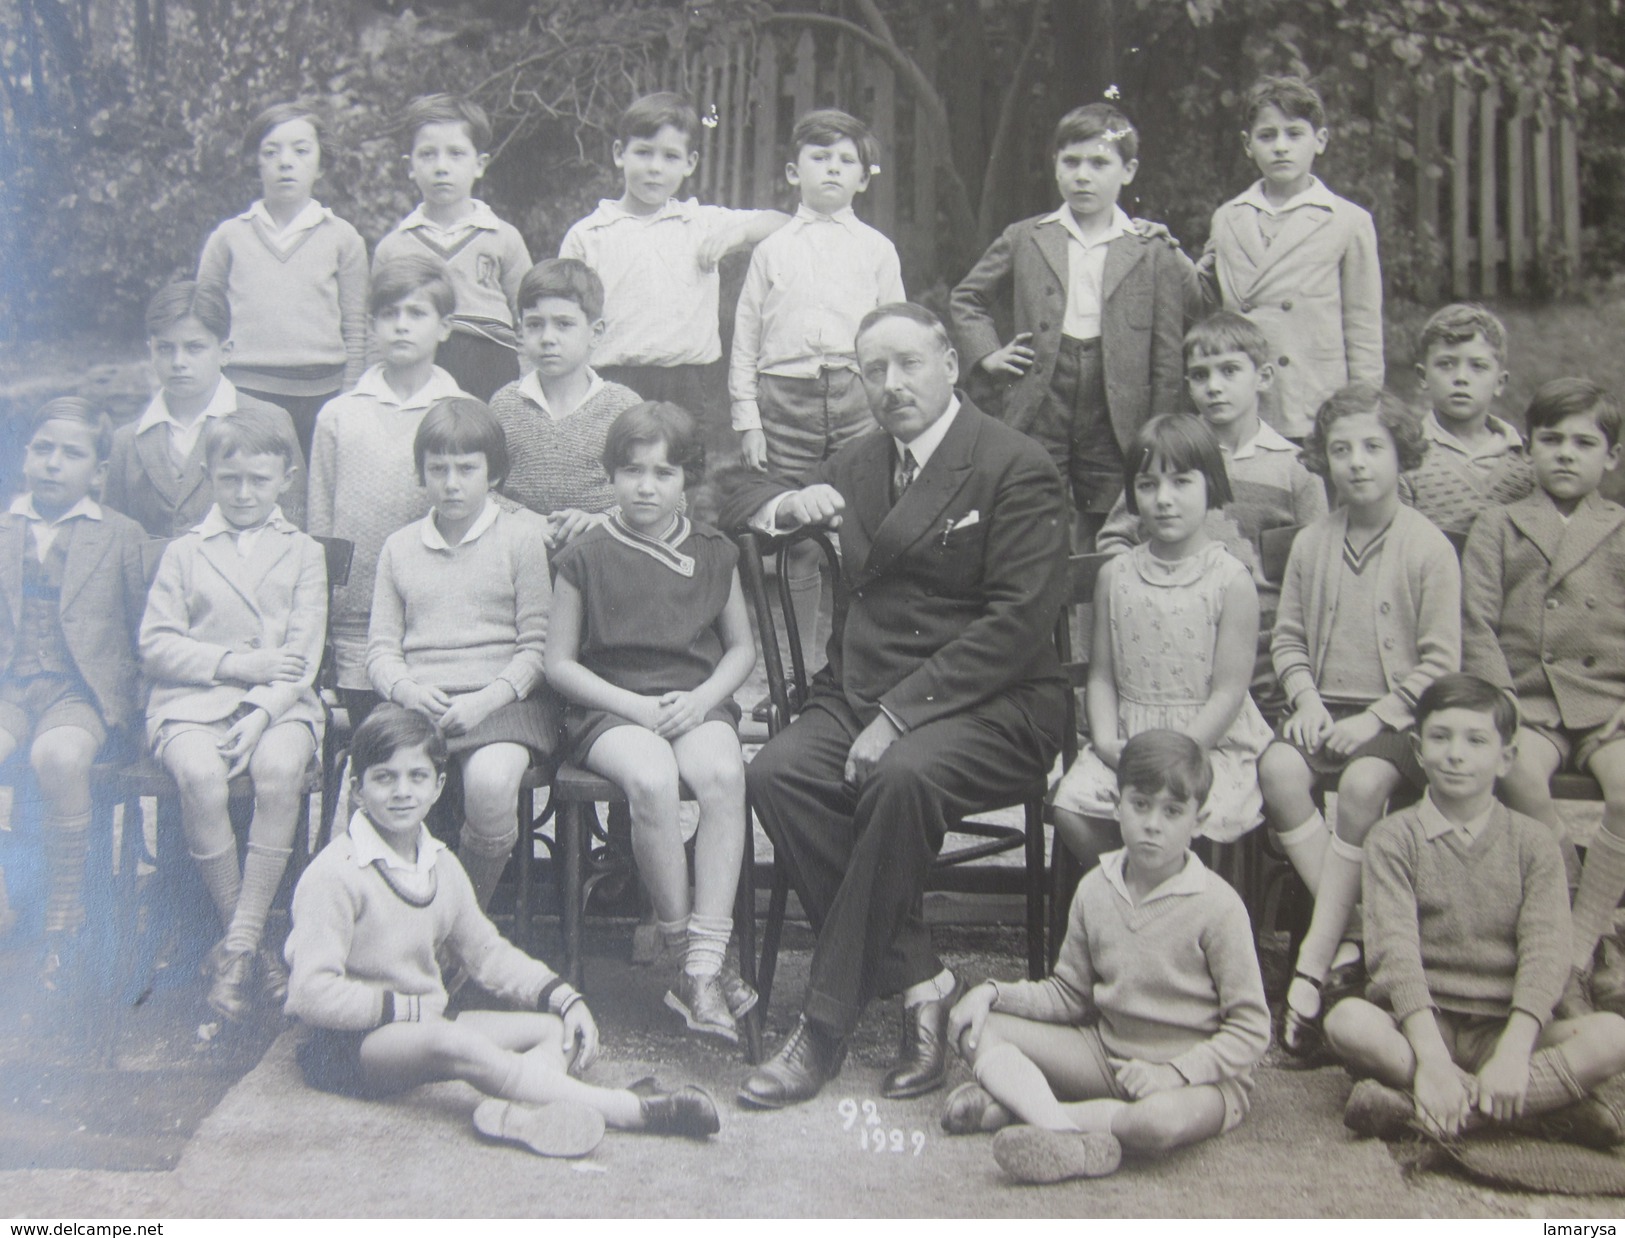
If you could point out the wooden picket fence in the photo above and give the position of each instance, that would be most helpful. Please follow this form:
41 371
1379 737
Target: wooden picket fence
1498 187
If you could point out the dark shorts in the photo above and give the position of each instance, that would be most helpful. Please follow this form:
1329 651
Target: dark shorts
1575 745
1075 426
701 389
480 364
1391 746
30 707
807 420
533 722
584 727
330 1061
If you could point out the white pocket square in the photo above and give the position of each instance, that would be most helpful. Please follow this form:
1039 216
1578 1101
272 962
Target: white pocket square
965 522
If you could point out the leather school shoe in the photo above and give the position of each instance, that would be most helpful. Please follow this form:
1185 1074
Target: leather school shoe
922 1057
1592 1123
229 981
700 1000
1035 1155
972 1110
688 1111
273 976
1378 1111
809 1059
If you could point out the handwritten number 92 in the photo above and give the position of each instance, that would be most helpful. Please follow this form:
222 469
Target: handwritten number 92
879 1139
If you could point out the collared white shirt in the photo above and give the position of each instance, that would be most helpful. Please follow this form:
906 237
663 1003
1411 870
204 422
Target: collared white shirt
1268 438
530 386
1435 824
808 288
434 540
44 531
374 386
1188 880
480 217
369 846
183 438
927 441
1271 217
215 524
1503 441
283 239
1086 271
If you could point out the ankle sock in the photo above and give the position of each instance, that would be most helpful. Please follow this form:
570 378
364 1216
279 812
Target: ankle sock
67 846
485 859
1305 846
1334 902
707 944
1602 882
1014 1080
262 875
932 990
222 879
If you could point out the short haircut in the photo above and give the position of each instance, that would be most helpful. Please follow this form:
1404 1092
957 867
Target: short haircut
388 729
186 298
443 109
656 422
460 425
1097 120
398 278
648 115
1159 760
249 432
1569 397
1456 324
1178 443
563 279
80 412
1459 690
908 310
1291 96
281 114
1404 427
1227 331
827 126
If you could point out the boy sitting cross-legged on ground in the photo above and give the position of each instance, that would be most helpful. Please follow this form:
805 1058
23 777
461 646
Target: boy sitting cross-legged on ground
1543 616
1474 459
370 918
1146 1035
1466 930
230 643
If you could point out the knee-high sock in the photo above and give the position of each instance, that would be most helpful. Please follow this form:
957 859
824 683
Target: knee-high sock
484 859
223 880
1016 1082
67 846
806 592
262 874
1552 1084
707 944
1602 882
1334 901
1305 846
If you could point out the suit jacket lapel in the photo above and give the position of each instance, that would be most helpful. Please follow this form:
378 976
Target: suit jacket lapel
153 447
919 511
1242 224
192 474
220 554
1541 524
1051 240
13 546
91 540
1122 256
1298 224
871 485
1591 524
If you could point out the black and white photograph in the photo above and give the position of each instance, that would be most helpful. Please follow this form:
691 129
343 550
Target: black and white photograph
885 609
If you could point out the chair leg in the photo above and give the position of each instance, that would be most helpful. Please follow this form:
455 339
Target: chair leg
745 929
527 859
571 829
777 904
1034 884
1064 878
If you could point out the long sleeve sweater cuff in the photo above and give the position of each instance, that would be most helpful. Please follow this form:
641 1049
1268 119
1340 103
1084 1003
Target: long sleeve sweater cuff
1405 1000
1392 711
402 1008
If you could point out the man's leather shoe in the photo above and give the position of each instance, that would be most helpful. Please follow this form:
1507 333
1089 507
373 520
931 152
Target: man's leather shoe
809 1059
922 1058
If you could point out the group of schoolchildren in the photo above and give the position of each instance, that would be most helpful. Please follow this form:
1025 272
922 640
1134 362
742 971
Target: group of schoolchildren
511 471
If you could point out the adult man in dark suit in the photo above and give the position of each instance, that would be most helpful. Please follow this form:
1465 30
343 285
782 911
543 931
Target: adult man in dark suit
942 695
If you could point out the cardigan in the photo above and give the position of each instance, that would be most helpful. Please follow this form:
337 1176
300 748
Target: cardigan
1477 927
1543 613
303 309
1173 978
1417 597
360 955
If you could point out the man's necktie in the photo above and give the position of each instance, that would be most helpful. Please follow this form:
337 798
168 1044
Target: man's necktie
903 475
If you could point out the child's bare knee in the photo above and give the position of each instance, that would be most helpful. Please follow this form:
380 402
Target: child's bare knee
652 782
62 756
720 779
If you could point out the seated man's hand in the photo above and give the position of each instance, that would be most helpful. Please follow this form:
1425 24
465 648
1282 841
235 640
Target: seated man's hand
820 504
1012 360
868 748
1346 737
965 1020
1141 1079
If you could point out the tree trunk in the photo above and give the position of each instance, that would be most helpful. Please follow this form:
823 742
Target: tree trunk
1084 36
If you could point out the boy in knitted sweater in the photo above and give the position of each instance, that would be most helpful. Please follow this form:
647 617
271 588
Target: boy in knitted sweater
371 917
1467 931
1146 1035
556 417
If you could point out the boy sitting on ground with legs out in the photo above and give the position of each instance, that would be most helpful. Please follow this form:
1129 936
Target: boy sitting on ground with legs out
230 644
1466 930
1146 1035
371 916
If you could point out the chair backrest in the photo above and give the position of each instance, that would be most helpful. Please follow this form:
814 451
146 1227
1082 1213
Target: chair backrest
1275 546
340 552
786 692
1085 574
